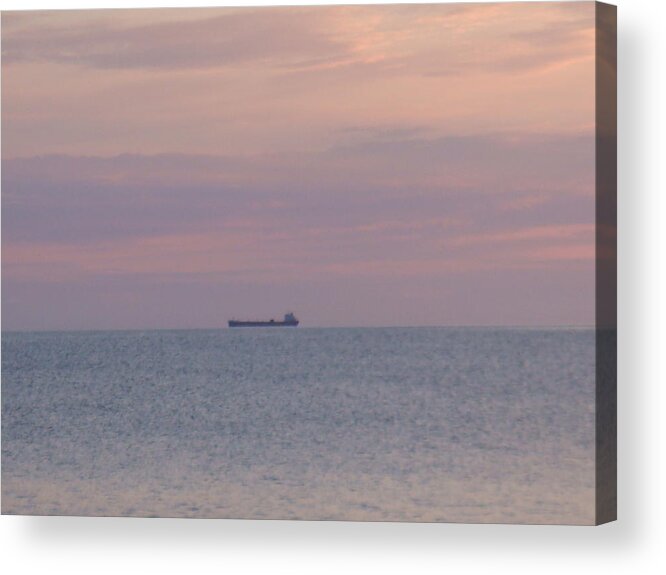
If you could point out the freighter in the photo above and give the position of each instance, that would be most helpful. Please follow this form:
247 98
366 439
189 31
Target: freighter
288 321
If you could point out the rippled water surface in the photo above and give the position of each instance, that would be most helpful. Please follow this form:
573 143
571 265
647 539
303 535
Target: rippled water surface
405 424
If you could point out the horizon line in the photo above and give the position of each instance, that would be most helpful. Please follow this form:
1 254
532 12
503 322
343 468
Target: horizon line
224 328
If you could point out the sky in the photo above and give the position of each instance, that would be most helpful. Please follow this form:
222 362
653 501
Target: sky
358 165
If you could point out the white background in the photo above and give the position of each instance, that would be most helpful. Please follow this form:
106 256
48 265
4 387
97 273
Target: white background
635 543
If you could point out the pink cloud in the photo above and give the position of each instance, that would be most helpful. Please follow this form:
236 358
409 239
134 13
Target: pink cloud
533 234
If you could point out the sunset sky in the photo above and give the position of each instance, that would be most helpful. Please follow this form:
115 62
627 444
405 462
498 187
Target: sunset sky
359 165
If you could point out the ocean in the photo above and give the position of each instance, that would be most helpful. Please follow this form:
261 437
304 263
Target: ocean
373 424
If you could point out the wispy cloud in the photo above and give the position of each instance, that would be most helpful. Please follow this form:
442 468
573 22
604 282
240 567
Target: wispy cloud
275 36
425 39
533 235
366 184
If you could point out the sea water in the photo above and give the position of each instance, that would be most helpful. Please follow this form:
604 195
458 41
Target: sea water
376 424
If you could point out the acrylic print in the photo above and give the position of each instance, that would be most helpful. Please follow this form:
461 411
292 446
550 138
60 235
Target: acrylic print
317 263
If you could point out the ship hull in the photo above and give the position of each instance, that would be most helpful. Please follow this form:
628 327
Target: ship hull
235 323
